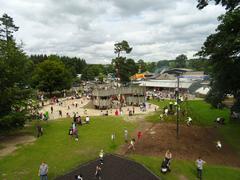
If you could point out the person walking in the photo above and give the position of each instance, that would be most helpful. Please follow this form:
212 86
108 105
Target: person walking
87 119
98 172
113 137
139 135
43 171
168 158
126 135
39 130
101 154
199 163
132 145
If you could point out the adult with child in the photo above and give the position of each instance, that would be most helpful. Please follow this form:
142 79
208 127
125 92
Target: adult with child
165 167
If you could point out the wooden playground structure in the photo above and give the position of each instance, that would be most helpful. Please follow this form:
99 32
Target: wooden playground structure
115 98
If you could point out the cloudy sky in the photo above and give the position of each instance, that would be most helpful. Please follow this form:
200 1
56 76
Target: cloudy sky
156 29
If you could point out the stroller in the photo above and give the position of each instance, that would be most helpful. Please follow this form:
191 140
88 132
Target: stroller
165 167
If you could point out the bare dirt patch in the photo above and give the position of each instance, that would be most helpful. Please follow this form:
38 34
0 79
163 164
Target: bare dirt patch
193 142
11 143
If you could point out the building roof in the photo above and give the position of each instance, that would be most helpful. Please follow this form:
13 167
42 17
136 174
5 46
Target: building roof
203 90
165 76
184 84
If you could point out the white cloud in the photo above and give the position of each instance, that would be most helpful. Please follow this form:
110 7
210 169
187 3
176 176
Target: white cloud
156 29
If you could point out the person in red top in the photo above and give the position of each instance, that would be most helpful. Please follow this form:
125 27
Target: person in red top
116 112
139 135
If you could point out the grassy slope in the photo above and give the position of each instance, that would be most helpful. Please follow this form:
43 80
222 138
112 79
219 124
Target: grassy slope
205 115
187 170
154 117
60 151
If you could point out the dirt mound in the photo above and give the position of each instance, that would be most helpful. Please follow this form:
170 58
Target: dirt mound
193 142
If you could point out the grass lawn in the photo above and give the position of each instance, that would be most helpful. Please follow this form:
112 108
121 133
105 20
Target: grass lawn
203 114
60 151
187 170
154 117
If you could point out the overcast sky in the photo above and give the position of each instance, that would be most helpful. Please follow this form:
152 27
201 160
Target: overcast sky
156 29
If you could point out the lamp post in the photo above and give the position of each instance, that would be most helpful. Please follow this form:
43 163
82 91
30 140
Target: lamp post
177 100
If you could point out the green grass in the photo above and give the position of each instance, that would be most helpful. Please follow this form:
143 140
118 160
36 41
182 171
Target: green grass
185 169
203 114
60 151
231 134
154 117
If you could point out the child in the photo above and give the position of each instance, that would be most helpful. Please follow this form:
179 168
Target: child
132 145
87 119
101 156
98 172
139 135
218 145
126 135
113 137
189 121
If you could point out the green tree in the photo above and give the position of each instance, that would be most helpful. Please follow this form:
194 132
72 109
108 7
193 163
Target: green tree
101 77
125 68
14 75
7 27
92 71
223 49
142 66
229 4
51 75
73 64
120 62
200 64
181 61
151 66
122 47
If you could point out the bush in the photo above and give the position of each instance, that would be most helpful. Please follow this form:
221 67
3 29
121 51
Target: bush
12 121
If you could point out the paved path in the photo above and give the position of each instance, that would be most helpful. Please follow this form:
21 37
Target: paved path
114 168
